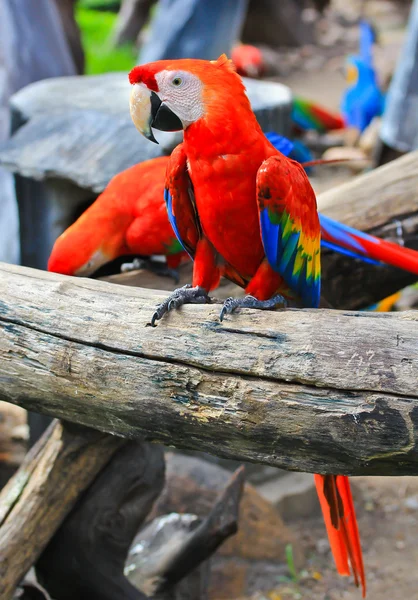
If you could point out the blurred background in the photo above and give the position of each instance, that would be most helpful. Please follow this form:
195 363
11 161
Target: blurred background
349 71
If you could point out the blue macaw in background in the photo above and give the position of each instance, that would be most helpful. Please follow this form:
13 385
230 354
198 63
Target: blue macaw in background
363 99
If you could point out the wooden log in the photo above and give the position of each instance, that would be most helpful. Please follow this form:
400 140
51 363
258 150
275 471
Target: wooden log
27 521
169 558
311 390
366 201
383 202
86 557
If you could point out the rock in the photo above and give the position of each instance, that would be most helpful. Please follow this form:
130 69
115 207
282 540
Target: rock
255 552
408 298
294 495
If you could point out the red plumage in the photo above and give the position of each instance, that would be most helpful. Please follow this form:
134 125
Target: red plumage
129 217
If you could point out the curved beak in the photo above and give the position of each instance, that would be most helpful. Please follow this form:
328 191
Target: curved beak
148 111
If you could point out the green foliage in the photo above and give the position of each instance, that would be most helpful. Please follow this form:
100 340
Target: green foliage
291 563
96 32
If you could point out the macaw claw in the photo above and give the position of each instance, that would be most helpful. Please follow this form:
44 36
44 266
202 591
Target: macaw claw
231 304
184 295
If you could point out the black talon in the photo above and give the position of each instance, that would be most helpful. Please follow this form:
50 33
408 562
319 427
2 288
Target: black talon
184 295
231 304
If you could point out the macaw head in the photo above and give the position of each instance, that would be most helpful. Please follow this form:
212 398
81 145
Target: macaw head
96 238
359 74
171 95
248 60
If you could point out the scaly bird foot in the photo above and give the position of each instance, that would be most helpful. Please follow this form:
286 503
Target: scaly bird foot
154 266
231 304
184 295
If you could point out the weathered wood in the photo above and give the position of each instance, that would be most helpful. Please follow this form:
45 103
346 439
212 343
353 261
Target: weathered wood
27 521
192 485
220 524
366 201
383 202
166 553
311 390
86 557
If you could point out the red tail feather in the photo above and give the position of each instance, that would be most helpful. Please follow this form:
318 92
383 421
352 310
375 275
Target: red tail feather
340 520
392 254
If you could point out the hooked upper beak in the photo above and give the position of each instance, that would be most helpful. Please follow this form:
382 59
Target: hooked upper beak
148 111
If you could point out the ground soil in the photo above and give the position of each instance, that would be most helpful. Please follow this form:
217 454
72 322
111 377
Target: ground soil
387 510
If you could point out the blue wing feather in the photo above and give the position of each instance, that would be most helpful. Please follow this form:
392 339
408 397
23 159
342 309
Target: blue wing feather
169 204
271 235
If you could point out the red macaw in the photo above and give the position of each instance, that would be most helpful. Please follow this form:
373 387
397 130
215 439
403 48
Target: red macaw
243 210
129 217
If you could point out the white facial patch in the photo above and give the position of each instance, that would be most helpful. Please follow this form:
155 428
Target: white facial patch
181 92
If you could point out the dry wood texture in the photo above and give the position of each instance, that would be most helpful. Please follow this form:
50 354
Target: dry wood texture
86 557
39 496
383 202
366 201
311 390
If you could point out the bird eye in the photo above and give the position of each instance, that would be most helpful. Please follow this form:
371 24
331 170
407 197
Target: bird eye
177 81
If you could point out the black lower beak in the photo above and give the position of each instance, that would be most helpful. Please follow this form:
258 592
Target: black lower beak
162 117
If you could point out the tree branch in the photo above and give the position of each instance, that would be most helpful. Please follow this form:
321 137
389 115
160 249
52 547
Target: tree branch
27 522
310 390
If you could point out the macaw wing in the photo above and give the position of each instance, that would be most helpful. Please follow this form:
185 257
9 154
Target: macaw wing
289 226
180 200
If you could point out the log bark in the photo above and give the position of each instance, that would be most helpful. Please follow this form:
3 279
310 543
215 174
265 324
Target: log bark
366 201
311 390
168 559
383 202
58 468
86 557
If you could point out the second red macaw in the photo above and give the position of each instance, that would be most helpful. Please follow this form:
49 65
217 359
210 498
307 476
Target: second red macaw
243 210
128 218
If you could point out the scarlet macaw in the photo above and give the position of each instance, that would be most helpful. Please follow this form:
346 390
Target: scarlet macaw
128 218
243 210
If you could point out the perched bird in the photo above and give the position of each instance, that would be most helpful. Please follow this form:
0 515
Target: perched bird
243 210
128 218
363 99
